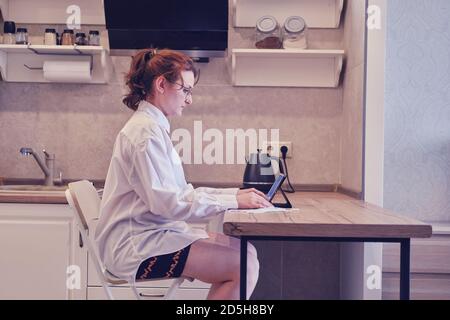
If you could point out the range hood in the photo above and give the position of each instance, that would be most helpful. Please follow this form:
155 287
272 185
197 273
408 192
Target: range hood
198 28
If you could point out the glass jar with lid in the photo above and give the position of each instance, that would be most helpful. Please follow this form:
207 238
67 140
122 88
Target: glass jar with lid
295 33
268 33
9 36
22 36
50 37
94 38
67 38
80 39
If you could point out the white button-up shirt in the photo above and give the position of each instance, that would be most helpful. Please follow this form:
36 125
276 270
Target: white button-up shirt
146 199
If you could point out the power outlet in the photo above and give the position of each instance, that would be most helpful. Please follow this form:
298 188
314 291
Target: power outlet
273 147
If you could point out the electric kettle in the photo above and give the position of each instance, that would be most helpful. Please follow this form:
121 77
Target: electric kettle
259 173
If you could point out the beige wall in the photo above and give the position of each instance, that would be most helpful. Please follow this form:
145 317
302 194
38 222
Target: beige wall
79 122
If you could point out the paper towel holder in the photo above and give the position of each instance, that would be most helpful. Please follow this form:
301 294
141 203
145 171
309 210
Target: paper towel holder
79 53
55 54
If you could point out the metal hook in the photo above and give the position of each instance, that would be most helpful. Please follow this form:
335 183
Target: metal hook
33 68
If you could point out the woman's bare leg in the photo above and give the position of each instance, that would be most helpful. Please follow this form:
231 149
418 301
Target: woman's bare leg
216 261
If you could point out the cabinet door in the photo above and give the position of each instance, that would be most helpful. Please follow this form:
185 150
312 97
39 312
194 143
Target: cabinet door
125 293
37 245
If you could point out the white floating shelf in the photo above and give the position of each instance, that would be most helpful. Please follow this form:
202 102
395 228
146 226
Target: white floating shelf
317 13
287 67
13 59
44 49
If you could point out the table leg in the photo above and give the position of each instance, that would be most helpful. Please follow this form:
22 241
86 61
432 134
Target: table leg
405 246
243 265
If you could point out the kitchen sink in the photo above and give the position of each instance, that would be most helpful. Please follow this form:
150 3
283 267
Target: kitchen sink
31 187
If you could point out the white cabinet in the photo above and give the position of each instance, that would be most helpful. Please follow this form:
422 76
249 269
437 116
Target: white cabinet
24 63
42 258
287 67
120 293
317 13
39 246
53 11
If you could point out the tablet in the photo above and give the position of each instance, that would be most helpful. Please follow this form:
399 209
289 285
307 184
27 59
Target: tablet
275 186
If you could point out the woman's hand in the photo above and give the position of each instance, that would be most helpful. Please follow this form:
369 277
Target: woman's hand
251 199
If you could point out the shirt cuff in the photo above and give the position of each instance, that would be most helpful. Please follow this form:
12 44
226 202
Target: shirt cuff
228 201
229 191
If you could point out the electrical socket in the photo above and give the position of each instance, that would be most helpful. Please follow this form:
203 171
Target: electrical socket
276 145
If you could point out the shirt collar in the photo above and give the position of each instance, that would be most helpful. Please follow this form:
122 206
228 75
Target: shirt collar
155 113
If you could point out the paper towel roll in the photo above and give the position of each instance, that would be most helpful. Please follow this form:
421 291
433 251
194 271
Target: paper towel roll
67 71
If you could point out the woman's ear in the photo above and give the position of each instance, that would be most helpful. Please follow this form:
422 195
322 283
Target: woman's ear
159 84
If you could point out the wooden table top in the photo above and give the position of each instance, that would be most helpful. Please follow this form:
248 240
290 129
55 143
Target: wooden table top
325 215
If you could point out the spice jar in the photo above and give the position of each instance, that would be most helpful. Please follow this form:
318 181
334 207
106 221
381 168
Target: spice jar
268 33
9 35
295 33
67 38
80 39
22 36
94 38
50 37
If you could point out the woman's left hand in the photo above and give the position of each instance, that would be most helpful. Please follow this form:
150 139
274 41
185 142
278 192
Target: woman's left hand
242 191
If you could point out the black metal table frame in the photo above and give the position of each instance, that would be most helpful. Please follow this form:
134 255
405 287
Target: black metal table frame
405 250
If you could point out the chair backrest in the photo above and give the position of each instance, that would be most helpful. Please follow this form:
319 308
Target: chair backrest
85 202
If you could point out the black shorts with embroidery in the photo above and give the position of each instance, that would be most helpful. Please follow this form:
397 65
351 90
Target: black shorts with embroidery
169 265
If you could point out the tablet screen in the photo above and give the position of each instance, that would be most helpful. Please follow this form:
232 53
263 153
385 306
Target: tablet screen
277 184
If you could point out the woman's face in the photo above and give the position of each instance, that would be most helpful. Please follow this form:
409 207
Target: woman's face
177 95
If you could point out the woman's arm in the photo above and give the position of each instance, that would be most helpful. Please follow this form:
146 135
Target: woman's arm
155 182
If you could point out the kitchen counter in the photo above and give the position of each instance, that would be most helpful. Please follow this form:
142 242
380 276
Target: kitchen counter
49 195
26 196
18 190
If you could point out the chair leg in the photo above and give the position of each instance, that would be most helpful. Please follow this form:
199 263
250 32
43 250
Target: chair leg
136 293
175 285
108 292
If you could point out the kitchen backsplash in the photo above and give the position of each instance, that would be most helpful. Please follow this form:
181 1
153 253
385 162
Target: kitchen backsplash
80 122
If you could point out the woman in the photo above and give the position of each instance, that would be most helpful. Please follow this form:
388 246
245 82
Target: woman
142 231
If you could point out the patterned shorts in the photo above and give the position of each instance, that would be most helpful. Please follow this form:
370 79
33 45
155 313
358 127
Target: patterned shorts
169 265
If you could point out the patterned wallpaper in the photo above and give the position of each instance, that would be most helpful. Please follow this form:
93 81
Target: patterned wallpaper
417 109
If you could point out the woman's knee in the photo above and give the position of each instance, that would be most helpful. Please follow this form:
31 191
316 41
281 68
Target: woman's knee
252 264
251 250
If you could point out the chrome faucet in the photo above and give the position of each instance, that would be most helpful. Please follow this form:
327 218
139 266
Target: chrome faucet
48 168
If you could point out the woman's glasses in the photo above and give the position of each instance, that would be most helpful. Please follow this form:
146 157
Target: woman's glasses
186 90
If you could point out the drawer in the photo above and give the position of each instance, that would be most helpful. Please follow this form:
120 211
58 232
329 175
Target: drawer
423 286
125 293
427 255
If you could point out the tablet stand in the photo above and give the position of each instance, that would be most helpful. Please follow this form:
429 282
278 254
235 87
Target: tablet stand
283 205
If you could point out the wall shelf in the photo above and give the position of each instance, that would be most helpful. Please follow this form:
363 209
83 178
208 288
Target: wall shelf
286 68
317 13
44 49
14 60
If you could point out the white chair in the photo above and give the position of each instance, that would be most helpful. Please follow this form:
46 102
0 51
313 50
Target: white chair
85 202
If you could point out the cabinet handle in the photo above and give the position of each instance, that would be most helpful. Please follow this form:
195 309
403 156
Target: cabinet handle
149 295
80 240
